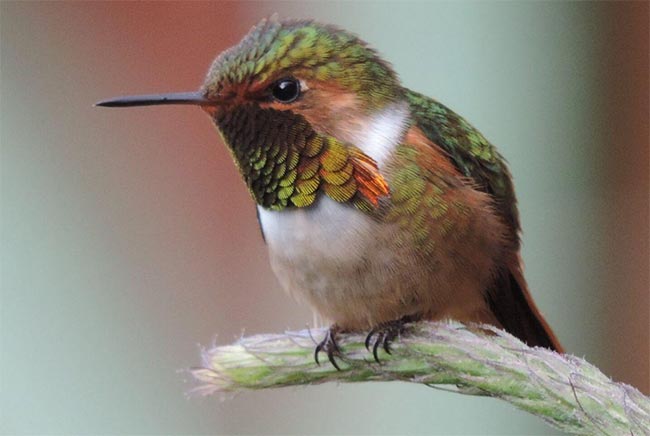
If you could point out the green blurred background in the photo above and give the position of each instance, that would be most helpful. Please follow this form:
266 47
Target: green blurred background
128 237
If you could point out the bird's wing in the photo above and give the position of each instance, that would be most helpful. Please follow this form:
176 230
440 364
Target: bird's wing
469 151
478 160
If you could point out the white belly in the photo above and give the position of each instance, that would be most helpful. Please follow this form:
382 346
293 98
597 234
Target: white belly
327 230
333 256
358 272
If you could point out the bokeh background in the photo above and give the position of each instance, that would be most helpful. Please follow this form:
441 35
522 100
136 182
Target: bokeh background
128 237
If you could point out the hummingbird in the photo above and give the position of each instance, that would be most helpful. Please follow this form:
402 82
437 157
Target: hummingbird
379 206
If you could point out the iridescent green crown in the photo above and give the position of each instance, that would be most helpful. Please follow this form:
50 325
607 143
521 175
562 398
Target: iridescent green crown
310 51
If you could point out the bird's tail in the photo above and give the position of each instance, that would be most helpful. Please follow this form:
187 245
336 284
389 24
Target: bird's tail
514 308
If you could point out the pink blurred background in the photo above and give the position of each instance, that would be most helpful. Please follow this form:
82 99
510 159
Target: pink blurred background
128 236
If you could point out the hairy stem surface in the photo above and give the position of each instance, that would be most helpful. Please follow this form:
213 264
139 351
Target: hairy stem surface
566 391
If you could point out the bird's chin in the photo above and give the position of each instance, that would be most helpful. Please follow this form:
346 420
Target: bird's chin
215 112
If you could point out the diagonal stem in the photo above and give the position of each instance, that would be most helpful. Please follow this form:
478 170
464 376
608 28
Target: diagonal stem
565 391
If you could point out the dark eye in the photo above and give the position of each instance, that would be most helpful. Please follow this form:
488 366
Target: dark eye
286 90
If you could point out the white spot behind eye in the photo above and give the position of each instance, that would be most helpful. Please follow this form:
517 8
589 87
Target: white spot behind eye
382 132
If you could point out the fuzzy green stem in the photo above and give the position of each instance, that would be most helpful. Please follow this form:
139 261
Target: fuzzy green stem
566 391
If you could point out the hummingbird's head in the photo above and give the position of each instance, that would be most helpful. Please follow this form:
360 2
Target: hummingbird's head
289 101
323 73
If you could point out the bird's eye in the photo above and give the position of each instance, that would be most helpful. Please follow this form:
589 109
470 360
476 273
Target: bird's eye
286 90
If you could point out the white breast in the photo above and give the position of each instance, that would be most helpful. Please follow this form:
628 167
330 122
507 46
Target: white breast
327 229
332 256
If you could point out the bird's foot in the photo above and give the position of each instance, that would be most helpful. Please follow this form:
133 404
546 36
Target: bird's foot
385 333
329 347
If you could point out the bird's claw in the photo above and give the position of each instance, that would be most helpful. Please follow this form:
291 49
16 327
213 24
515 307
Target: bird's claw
384 334
329 347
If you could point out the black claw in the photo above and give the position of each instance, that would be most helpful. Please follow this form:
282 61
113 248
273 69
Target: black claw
386 343
319 348
380 337
385 334
330 347
330 356
369 338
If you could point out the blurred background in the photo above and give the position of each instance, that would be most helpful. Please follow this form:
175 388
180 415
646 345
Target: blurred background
128 237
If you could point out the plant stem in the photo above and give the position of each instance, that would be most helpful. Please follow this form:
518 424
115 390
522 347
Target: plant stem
566 391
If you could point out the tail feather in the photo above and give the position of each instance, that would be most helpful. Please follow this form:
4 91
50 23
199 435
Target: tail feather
514 308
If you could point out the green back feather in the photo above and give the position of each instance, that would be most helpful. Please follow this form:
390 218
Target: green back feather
470 152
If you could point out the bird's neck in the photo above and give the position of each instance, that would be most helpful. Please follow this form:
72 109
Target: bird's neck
286 162
378 133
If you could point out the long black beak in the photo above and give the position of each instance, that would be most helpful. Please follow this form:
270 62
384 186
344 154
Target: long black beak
193 98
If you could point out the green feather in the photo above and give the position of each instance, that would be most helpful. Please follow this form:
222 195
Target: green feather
468 149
